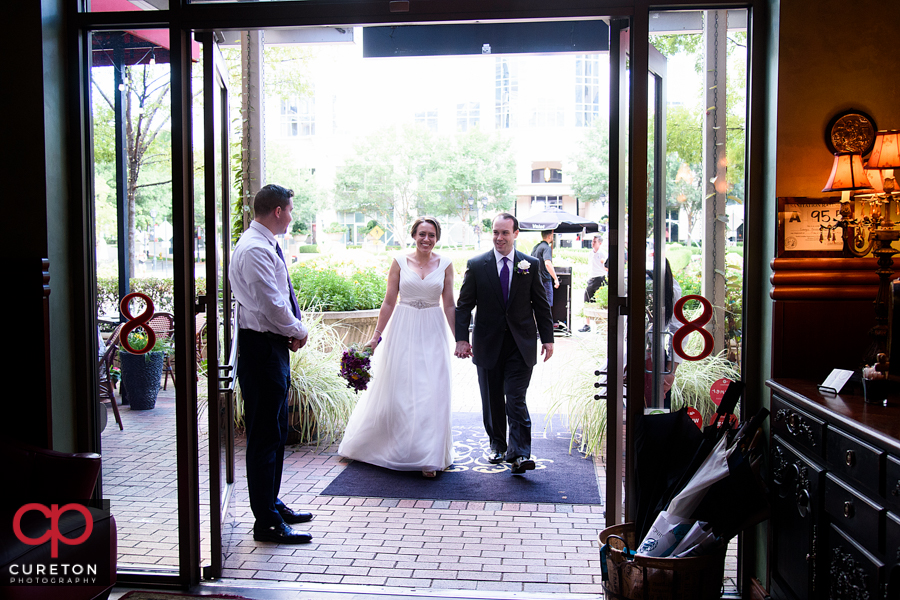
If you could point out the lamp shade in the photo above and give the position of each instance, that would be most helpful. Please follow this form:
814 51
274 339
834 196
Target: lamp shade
886 152
876 179
847 174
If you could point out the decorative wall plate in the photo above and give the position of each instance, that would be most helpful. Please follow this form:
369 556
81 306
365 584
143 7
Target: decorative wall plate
851 131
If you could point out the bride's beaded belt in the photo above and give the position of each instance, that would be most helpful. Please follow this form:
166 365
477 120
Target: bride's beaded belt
420 304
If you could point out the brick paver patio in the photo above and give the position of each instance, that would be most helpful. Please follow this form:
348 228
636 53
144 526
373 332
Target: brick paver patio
385 544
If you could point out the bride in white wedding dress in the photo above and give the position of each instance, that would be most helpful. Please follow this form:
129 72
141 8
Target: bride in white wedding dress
402 421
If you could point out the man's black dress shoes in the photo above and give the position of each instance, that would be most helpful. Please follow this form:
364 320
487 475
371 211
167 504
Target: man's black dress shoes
293 516
496 458
281 534
522 464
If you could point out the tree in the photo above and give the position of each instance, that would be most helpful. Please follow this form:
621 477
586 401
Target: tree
688 141
476 172
684 145
590 179
390 177
147 142
286 75
284 168
736 117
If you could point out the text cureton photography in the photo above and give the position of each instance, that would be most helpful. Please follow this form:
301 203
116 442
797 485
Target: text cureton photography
60 544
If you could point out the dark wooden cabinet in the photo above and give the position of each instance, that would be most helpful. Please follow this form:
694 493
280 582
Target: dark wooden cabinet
835 481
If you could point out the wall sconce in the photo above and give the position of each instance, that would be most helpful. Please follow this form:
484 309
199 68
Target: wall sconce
884 159
874 232
547 174
847 176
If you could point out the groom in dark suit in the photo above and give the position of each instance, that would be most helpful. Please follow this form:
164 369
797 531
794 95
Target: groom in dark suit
505 285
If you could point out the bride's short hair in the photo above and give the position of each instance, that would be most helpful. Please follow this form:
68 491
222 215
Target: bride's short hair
420 220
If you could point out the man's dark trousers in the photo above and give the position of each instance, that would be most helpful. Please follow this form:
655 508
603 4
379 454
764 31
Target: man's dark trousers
264 369
503 390
593 284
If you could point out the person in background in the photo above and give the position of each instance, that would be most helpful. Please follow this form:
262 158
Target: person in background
543 251
269 328
597 273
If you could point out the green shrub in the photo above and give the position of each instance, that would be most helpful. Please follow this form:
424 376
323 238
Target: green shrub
689 280
161 291
308 249
580 256
601 297
324 289
679 257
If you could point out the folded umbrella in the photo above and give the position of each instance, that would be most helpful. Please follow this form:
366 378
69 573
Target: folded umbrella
710 437
665 446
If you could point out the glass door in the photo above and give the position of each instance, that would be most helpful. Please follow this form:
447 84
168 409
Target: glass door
659 291
146 472
633 217
216 349
618 205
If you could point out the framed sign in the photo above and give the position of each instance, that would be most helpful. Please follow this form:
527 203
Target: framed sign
800 232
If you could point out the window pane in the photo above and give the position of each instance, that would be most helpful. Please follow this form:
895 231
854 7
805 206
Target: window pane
130 96
127 5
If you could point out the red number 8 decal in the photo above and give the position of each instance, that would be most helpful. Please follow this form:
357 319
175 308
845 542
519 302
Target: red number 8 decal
139 321
691 326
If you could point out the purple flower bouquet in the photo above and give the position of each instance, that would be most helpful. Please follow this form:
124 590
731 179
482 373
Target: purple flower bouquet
355 365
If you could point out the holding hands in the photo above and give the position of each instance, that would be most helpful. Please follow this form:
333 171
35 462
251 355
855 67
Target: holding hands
463 350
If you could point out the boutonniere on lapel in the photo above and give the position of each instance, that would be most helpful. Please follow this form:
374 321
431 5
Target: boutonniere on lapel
522 267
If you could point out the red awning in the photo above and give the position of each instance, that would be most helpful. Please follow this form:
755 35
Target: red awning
140 46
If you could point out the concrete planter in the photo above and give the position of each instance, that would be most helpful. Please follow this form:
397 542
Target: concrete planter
140 378
354 326
595 316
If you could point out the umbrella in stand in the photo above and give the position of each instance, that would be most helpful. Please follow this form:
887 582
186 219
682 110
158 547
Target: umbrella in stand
559 221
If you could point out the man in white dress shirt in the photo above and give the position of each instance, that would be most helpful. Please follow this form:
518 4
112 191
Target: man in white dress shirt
269 327
596 275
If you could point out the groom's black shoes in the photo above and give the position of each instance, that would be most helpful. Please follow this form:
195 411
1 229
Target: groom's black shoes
522 464
495 458
293 516
280 534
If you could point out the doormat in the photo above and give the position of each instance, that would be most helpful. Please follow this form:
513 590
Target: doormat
559 477
157 595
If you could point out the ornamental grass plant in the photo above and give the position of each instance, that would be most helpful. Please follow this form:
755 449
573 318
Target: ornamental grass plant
573 398
320 401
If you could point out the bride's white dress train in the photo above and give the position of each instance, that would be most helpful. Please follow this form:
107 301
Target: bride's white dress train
402 421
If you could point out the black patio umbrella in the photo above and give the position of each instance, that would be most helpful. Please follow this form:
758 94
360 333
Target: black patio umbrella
557 220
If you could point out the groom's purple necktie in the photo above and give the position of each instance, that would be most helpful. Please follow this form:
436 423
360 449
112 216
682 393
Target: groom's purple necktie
504 280
295 306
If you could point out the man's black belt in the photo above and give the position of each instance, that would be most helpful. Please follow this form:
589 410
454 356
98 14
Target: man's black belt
275 337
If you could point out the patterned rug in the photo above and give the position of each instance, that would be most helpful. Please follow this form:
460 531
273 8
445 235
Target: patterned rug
559 477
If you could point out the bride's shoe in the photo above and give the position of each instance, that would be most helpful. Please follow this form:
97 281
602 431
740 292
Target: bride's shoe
429 474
